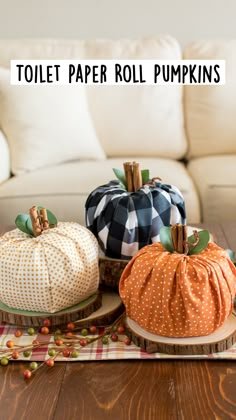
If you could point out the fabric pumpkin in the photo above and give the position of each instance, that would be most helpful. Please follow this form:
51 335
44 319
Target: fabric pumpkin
177 295
124 222
49 272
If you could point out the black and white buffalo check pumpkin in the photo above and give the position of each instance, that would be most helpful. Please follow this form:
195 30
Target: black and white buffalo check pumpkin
124 222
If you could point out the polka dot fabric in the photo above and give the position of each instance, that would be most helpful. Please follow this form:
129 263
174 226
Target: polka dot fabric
56 270
175 295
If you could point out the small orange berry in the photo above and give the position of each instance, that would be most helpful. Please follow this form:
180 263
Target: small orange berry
10 344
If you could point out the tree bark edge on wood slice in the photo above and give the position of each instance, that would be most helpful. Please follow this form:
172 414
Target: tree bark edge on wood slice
74 313
166 346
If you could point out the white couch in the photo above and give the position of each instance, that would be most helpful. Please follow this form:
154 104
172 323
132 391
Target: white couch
59 143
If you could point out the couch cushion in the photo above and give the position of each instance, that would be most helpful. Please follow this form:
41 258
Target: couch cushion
64 188
4 158
145 120
46 125
215 179
210 110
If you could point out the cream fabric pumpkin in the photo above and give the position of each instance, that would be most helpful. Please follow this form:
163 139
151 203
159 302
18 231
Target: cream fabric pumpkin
53 271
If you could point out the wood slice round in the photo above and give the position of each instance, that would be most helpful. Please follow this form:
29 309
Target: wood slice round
221 340
112 307
35 319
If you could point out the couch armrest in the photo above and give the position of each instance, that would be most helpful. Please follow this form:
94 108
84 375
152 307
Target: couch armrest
4 158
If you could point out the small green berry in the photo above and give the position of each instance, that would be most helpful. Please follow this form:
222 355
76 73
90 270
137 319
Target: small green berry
31 331
105 340
4 361
74 354
33 365
84 332
51 352
26 353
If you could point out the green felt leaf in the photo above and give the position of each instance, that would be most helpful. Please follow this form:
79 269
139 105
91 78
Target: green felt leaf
29 226
21 222
204 236
51 217
145 175
166 238
120 175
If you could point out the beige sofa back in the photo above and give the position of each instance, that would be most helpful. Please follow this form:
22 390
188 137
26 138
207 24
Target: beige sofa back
147 120
162 123
210 110
150 119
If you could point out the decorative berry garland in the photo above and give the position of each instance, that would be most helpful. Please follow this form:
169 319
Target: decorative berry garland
68 342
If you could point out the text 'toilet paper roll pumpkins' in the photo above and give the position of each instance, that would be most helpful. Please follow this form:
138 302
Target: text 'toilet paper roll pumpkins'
128 214
177 295
46 269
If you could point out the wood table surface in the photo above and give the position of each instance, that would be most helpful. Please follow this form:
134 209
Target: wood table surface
117 390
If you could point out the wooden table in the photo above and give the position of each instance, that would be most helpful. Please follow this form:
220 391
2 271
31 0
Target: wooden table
126 390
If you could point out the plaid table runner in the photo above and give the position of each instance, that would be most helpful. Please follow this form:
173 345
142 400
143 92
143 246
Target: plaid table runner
95 351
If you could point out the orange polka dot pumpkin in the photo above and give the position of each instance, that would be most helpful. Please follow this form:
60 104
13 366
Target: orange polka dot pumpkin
52 271
177 294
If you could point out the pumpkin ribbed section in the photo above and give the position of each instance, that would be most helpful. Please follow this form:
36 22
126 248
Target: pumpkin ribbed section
175 295
124 222
53 271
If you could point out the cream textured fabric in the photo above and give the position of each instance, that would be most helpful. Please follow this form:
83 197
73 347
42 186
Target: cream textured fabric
46 125
4 158
56 270
145 120
210 110
64 188
215 179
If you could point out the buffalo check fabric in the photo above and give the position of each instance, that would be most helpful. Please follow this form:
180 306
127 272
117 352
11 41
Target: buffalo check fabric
124 222
92 352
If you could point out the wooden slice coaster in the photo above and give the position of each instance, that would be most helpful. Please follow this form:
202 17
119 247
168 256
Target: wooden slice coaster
219 341
110 269
112 307
35 319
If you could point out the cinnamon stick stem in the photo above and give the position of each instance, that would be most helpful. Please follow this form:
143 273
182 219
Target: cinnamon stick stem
174 235
44 218
180 248
34 216
128 168
137 176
